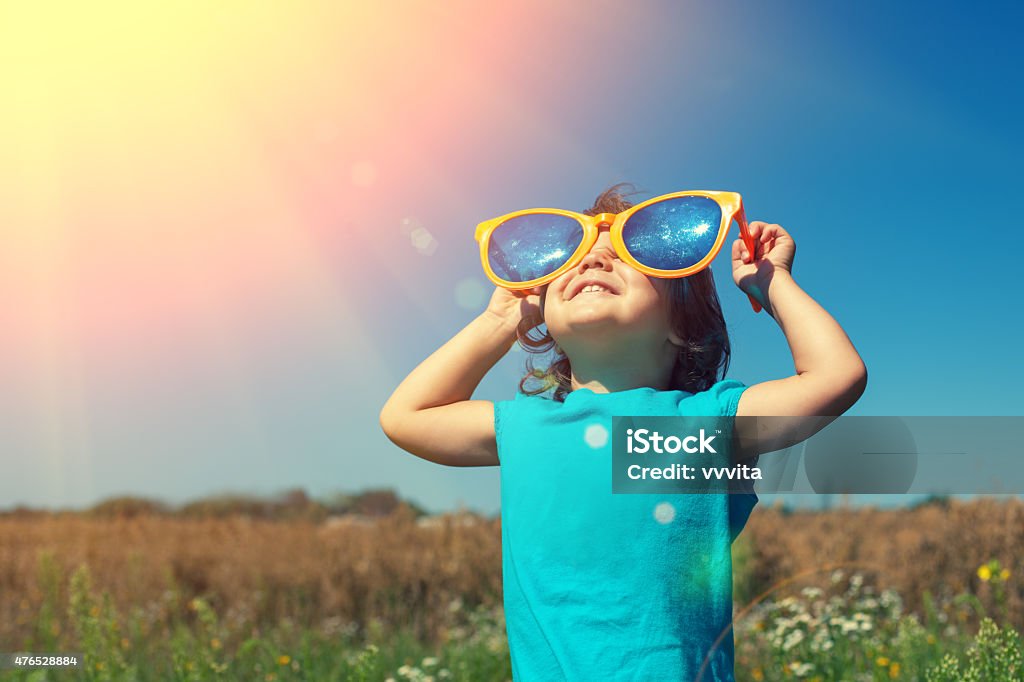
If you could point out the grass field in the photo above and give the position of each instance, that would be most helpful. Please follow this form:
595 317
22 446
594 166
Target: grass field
845 594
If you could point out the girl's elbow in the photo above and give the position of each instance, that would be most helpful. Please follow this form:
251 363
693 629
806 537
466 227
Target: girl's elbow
859 375
389 419
854 384
862 380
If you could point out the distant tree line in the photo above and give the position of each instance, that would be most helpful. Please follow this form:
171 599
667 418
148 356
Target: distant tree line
291 505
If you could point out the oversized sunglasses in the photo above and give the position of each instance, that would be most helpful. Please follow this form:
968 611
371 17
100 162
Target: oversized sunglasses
672 235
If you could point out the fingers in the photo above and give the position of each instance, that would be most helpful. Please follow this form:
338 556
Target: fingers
771 233
765 235
755 228
762 231
759 231
740 252
767 240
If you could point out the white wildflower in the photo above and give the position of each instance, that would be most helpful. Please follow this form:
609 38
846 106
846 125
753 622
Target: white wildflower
801 669
793 639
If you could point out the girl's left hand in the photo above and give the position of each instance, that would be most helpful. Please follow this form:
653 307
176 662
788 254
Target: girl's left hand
775 251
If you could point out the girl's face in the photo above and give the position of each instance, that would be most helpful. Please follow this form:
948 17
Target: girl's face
632 307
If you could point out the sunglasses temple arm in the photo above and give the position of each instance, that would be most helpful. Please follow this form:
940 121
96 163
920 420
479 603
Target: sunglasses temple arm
748 240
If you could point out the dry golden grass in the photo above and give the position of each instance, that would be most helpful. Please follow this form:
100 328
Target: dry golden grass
936 548
255 573
342 574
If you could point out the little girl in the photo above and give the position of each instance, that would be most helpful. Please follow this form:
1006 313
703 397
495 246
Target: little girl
602 586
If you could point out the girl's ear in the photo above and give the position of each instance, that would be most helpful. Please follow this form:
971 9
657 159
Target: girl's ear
676 339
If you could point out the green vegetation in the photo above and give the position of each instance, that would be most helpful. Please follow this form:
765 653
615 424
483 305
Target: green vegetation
847 632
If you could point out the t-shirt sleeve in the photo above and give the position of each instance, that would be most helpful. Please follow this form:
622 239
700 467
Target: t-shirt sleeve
724 397
503 416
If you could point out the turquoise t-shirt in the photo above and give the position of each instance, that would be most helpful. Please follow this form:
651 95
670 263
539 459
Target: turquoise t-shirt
611 587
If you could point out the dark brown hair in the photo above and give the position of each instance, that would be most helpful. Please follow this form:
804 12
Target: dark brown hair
695 315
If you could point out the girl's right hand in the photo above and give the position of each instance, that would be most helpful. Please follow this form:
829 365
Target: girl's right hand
512 306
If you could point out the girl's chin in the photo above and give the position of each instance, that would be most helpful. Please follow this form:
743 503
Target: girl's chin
589 318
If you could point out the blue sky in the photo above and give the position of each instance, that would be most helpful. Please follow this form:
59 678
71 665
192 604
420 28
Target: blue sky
883 136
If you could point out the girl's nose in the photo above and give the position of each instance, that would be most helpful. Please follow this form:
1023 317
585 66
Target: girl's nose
599 256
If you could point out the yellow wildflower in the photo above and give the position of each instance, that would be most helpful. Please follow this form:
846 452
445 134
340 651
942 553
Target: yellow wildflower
894 670
882 661
94 611
215 643
284 659
985 573
1004 574
757 674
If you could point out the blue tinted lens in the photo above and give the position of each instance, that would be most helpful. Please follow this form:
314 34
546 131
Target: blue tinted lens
675 233
531 246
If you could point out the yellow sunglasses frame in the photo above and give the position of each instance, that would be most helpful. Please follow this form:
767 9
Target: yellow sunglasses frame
731 204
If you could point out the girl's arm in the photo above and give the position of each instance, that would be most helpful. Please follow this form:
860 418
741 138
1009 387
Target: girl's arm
431 415
830 375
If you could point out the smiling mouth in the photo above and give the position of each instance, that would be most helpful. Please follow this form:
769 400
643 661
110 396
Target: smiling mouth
593 290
